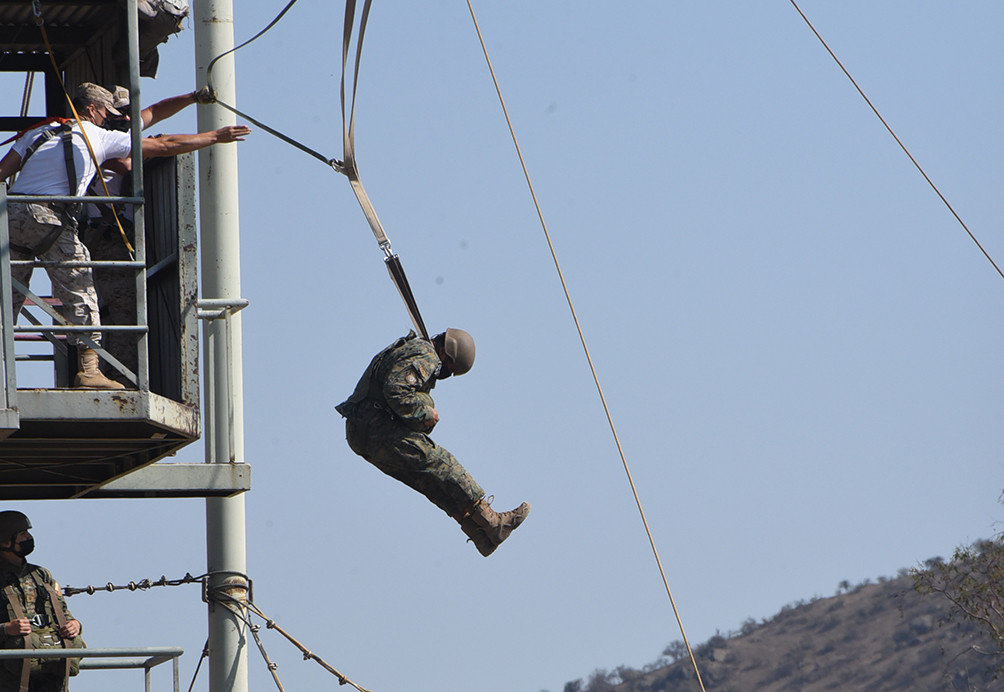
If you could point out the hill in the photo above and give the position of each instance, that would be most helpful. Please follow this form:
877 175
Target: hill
881 637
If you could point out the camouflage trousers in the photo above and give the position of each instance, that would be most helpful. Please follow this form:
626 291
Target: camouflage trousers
39 682
116 290
412 458
32 226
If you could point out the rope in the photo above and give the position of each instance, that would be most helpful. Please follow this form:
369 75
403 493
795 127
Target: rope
221 594
898 140
585 347
198 666
37 9
238 608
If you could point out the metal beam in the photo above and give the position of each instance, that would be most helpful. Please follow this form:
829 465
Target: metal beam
179 480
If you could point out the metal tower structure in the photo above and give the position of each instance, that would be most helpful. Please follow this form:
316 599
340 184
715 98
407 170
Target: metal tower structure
63 443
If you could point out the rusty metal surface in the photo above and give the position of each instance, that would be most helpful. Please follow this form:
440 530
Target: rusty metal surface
73 441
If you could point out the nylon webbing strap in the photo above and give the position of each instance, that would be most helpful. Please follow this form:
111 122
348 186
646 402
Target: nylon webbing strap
14 599
351 171
349 167
42 138
57 611
401 281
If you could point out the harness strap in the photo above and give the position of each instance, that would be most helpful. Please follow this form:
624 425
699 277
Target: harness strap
71 169
351 171
41 139
57 611
14 600
65 209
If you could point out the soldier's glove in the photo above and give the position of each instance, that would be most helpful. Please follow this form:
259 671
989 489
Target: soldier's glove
204 95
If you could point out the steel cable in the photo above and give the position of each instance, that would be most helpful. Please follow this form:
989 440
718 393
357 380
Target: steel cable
898 140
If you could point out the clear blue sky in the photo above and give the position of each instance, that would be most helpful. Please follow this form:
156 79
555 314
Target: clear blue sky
799 345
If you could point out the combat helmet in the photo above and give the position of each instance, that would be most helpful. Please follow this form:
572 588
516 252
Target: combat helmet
12 523
459 346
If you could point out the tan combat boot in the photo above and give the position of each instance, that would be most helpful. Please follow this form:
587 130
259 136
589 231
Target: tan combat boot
90 375
496 526
477 536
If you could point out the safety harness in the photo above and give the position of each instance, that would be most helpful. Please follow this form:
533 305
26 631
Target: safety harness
17 607
69 211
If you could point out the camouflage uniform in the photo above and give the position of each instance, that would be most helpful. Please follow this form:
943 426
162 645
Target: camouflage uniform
116 288
32 226
27 580
388 415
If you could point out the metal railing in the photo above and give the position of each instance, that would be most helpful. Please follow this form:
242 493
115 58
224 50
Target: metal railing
109 659
59 324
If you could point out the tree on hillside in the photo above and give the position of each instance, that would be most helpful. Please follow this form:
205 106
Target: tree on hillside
973 581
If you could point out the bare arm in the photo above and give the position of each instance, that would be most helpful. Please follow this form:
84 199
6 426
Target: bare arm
165 109
172 145
168 107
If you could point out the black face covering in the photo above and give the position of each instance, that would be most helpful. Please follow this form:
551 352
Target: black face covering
113 123
24 547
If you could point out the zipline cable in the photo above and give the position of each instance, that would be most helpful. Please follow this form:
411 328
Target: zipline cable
585 347
898 140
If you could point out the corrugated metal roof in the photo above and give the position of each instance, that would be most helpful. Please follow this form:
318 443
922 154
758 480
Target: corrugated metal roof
68 24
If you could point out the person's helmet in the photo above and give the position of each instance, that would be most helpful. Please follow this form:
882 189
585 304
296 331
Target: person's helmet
459 346
12 523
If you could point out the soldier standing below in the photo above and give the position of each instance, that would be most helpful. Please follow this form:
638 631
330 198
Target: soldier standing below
389 415
55 160
32 609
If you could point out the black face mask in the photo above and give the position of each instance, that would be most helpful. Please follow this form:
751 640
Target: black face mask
24 547
118 124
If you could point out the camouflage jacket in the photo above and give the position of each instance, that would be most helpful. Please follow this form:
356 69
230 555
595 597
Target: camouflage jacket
27 581
399 379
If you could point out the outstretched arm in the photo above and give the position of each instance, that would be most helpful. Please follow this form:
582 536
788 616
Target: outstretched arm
172 145
169 106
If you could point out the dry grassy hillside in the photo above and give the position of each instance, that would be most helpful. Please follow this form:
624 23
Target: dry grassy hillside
877 637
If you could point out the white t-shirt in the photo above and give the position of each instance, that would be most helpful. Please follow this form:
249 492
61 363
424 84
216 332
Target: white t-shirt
45 172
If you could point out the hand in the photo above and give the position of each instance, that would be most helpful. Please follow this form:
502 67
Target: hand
233 133
432 421
17 628
204 95
71 630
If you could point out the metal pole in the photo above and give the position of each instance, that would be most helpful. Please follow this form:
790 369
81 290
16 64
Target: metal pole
139 212
224 407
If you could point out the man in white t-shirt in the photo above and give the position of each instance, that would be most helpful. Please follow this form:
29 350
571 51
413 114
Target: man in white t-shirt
54 160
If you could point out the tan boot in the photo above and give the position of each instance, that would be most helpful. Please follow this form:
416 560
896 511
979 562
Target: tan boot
477 536
90 375
496 526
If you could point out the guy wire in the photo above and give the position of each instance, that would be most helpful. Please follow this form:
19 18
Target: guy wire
898 140
585 348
